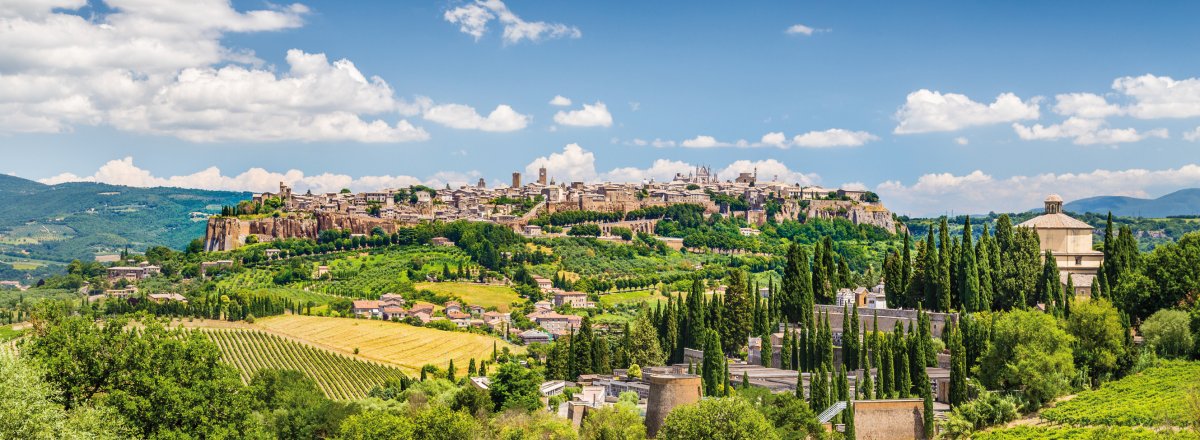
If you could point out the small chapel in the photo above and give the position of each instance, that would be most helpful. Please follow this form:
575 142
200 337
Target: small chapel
1070 241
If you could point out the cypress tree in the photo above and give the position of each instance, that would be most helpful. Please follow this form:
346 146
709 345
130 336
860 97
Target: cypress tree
984 268
827 342
932 271
903 381
927 410
796 293
601 356
848 433
958 367
670 338
737 313
713 365
745 380
693 336
581 349
916 361
968 272
798 356
945 261
767 351
450 370
785 351
471 368
726 389
850 339
816 391
892 280
906 263
867 385
883 362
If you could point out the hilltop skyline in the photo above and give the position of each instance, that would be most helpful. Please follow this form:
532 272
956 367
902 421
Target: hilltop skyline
938 107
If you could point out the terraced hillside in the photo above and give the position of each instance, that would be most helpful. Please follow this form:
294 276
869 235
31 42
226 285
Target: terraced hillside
339 376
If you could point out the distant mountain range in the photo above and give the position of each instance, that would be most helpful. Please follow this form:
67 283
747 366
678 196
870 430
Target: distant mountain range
81 220
1182 202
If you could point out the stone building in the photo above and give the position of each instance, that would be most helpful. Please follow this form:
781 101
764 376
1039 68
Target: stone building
1070 241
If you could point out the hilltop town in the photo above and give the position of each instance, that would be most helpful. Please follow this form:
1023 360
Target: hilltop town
287 214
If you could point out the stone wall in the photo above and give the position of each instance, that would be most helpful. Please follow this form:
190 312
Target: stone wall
897 419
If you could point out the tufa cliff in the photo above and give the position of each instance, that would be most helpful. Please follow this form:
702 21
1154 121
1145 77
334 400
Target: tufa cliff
228 233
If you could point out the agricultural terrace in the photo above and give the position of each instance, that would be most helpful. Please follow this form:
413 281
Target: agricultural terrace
339 376
487 296
399 344
1157 396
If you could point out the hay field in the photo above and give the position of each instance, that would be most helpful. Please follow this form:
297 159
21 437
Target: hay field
398 344
499 297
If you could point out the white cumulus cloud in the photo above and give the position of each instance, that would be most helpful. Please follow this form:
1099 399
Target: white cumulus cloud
799 29
125 172
834 137
572 164
460 116
591 115
473 18
1085 105
1193 135
1160 96
1085 132
927 111
977 192
560 101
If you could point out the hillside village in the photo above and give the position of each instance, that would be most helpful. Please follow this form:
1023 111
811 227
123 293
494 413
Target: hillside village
517 205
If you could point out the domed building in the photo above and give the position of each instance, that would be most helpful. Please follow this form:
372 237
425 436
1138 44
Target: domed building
1070 240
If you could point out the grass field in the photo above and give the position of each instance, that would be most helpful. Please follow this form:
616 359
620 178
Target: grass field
338 376
402 345
635 296
1154 397
499 297
1085 433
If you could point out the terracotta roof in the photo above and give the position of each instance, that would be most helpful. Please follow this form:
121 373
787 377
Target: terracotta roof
1054 221
366 304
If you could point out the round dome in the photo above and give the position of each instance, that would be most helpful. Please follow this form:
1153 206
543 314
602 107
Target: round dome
1053 198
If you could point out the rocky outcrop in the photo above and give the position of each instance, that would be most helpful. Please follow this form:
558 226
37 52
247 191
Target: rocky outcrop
228 233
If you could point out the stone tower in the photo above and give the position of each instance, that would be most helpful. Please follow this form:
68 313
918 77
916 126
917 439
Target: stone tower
542 176
668 391
516 180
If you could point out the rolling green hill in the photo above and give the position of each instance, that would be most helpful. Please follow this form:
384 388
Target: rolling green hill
1182 202
58 223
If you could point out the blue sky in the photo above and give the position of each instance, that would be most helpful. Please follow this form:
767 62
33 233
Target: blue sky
938 106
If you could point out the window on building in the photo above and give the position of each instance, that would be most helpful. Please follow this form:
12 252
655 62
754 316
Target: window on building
1078 261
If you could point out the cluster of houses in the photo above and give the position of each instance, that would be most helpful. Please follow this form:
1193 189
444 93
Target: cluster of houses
391 306
132 274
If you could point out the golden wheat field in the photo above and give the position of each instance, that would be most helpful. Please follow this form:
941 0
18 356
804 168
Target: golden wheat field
402 345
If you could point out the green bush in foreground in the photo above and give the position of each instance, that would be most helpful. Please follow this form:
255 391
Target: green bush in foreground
1153 397
1086 433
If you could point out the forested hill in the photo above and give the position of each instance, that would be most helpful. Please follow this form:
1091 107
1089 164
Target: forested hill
1184 202
80 220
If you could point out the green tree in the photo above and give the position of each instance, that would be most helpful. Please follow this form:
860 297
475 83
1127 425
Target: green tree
796 293
294 407
1169 333
738 312
643 340
789 415
28 410
958 366
738 421
513 386
377 425
968 272
713 366
1099 337
1030 353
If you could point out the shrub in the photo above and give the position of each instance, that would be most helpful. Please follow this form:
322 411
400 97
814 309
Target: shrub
1169 333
